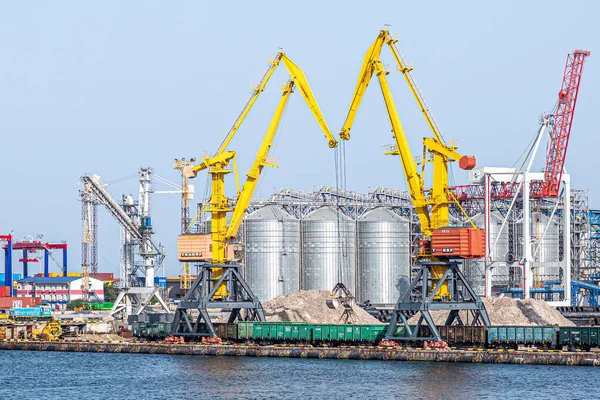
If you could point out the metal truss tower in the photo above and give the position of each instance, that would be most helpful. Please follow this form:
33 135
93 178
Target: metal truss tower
137 287
580 236
187 194
89 240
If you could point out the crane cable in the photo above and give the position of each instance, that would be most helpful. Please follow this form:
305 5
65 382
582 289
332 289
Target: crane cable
340 179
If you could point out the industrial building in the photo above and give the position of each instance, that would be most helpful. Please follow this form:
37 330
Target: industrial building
291 242
537 240
284 253
59 290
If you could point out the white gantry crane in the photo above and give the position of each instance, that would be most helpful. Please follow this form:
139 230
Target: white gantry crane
135 294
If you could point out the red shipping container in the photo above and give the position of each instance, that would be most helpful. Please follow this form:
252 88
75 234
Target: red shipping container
105 276
6 303
4 291
458 243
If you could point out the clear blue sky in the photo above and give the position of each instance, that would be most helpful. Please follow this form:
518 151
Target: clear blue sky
108 87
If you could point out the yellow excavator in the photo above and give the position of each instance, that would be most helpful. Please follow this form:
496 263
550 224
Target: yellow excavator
219 283
441 244
51 331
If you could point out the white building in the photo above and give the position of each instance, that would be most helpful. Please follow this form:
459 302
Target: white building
59 290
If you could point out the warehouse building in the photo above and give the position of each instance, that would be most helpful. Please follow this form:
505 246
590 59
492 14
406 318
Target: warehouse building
59 290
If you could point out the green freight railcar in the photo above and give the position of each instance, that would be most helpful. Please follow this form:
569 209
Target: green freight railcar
276 331
584 337
348 333
521 335
303 332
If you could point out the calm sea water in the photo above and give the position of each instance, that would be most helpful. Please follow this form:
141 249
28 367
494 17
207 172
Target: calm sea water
47 375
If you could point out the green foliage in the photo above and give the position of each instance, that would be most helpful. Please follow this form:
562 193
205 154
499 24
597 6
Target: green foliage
75 304
110 292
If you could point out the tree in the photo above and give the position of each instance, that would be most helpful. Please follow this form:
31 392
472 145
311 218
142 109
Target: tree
75 304
110 292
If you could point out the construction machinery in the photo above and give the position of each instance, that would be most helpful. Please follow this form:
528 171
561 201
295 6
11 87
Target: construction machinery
219 284
51 331
439 284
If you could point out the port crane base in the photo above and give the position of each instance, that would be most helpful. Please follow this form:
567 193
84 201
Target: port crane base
462 298
200 297
134 300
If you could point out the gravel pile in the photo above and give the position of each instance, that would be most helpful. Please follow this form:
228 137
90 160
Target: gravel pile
309 306
508 311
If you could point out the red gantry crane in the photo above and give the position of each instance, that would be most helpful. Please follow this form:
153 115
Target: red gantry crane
559 141
563 120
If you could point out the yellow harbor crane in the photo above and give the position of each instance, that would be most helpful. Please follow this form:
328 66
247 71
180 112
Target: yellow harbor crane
219 284
432 206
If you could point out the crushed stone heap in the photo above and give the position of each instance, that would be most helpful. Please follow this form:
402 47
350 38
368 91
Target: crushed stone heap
309 306
508 311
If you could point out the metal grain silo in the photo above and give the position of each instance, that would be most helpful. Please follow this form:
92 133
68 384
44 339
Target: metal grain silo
475 274
546 252
272 252
498 252
324 251
384 245
545 249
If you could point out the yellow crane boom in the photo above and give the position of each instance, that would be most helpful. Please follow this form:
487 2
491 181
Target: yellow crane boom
432 208
219 204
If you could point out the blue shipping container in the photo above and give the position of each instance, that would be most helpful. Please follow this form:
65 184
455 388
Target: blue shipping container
160 281
16 277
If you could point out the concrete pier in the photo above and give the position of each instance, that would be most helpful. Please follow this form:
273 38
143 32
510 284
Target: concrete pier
342 353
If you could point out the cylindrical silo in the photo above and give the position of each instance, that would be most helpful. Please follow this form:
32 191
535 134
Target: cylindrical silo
272 252
383 257
546 248
475 274
498 243
328 250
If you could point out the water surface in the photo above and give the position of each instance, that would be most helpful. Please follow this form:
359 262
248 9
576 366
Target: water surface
53 375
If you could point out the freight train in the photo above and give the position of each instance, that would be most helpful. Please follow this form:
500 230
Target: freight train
508 337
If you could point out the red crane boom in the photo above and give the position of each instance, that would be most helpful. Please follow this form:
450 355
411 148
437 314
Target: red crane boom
557 150
563 119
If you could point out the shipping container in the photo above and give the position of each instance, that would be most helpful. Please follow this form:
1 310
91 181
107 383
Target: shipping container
4 290
199 248
458 242
6 303
16 277
105 276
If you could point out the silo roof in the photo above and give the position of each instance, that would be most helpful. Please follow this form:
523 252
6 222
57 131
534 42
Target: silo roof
270 212
381 214
326 213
